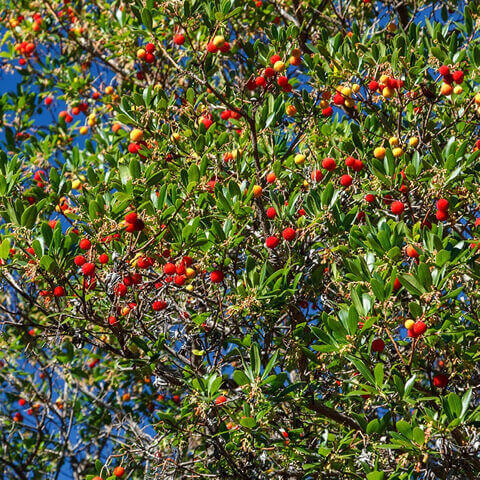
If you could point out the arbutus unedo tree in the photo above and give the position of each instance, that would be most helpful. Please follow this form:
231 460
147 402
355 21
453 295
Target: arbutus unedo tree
239 240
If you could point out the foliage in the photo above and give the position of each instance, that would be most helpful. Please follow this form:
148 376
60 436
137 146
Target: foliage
239 240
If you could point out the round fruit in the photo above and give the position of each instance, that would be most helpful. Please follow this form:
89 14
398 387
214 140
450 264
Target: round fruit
136 135
379 153
378 345
216 276
272 242
397 207
289 234
299 159
440 380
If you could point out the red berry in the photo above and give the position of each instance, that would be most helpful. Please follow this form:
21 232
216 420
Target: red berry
289 234
216 276
149 47
271 177
180 279
282 81
59 291
358 165
212 48
121 290
159 305
260 81
442 204
327 112
346 180
221 399
369 198
179 39
88 269
131 217
169 269
444 70
85 244
419 328
373 86
187 261
119 471
440 380
350 161
338 99
397 284
329 164
316 175
103 258
458 77
378 345
79 260
272 242
441 215
269 72
271 212
274 59
397 207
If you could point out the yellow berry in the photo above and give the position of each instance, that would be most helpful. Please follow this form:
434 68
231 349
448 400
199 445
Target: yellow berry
299 159
219 41
413 141
291 110
409 324
397 152
394 141
279 66
257 191
387 92
379 152
136 135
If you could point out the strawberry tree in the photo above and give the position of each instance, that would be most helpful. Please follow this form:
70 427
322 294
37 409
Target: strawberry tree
239 240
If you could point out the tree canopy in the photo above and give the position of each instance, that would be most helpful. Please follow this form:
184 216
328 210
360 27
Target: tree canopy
239 239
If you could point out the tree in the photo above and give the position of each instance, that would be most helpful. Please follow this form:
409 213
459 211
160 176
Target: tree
239 240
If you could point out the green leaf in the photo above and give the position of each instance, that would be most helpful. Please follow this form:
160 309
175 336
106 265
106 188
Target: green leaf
404 428
29 216
373 426
134 167
375 475
362 368
411 284
379 374
5 248
424 275
248 422
98 466
442 257
419 435
255 358
147 19
240 378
